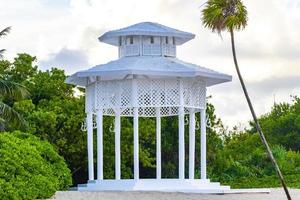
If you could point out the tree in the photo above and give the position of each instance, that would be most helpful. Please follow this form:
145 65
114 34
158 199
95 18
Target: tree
9 89
231 15
14 90
4 32
282 124
55 114
30 167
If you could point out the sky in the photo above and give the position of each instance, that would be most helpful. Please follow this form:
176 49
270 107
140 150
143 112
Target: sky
63 34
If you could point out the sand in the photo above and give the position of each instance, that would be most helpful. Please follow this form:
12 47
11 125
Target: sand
276 194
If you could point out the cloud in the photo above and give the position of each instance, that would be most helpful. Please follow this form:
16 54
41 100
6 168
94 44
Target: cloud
276 84
67 59
65 35
231 104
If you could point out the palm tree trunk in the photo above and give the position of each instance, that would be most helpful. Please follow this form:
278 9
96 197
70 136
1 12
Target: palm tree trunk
261 134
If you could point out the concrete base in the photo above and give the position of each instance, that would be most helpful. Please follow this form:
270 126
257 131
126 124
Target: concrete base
162 185
248 191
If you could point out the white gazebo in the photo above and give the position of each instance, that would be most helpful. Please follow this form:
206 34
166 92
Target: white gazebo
147 81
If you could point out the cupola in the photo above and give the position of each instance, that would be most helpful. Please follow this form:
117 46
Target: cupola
146 39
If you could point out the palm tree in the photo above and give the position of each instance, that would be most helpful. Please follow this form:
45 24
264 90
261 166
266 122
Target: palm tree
4 32
12 90
231 15
7 113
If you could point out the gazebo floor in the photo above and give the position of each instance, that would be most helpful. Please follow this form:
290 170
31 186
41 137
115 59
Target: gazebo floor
162 185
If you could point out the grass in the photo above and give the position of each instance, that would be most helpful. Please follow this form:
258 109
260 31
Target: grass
293 181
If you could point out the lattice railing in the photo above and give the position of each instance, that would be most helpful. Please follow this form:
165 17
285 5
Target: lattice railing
169 50
148 50
151 49
130 50
149 95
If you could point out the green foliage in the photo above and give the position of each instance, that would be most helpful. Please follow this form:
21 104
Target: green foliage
49 85
10 91
58 121
52 112
264 182
55 114
244 163
30 168
282 125
220 15
3 33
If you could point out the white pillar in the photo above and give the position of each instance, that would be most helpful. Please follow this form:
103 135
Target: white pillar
89 122
203 144
136 142
181 143
117 146
99 144
158 144
181 131
192 144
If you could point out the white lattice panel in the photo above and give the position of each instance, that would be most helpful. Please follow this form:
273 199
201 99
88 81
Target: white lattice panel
90 98
130 50
147 50
169 50
150 94
151 49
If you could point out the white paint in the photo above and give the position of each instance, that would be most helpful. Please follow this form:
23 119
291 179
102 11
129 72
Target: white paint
158 86
158 144
136 142
146 29
89 121
117 146
99 144
165 185
181 143
150 66
181 133
203 144
192 144
151 93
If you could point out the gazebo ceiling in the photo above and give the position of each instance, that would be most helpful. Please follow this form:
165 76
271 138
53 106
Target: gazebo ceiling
148 67
146 29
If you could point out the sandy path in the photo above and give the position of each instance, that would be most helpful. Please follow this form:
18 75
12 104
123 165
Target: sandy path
276 194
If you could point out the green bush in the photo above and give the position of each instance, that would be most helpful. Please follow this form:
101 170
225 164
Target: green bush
30 168
264 182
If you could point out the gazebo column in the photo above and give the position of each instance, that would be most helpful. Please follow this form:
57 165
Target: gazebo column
135 97
203 144
181 143
117 145
181 132
158 144
192 144
89 122
136 142
100 144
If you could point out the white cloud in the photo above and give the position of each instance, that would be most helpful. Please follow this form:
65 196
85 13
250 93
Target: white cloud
268 49
69 59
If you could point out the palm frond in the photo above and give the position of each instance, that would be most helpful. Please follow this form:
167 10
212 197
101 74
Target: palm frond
5 31
9 115
2 124
220 15
13 89
1 53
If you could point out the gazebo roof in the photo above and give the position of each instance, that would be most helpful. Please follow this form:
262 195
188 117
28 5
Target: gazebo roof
146 29
148 66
